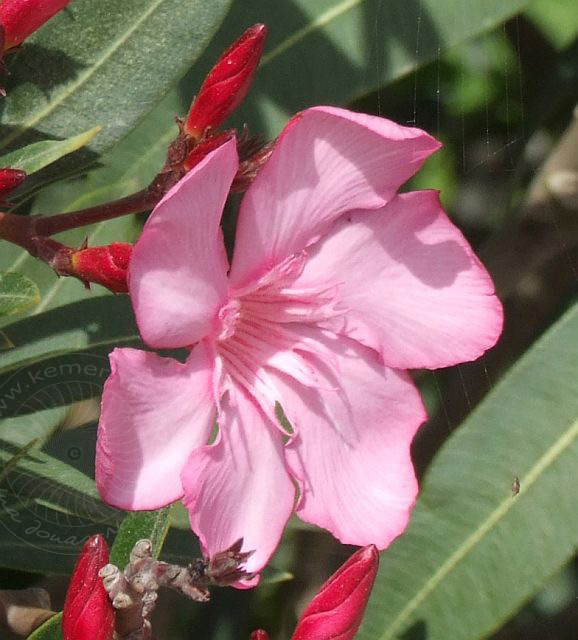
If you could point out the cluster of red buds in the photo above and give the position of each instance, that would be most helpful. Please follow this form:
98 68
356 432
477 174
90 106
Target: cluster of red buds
101 598
223 90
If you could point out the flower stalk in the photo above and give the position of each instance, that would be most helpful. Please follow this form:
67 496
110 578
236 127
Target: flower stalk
133 592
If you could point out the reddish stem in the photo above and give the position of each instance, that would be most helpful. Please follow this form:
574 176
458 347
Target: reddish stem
16 229
137 202
32 233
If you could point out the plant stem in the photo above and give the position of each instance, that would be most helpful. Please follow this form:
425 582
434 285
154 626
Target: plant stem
16 229
135 203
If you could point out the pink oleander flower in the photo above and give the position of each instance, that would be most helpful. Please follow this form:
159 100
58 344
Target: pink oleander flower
337 285
336 611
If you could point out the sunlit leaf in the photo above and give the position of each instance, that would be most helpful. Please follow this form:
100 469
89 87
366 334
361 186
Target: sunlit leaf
50 630
38 155
150 525
105 63
335 51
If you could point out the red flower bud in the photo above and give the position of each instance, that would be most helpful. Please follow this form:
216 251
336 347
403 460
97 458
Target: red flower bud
9 180
20 18
199 151
259 635
227 83
335 613
106 265
88 612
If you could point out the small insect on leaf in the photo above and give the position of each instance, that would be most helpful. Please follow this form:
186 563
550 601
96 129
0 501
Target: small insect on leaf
516 486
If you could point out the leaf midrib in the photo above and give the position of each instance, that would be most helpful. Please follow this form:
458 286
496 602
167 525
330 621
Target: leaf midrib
541 465
317 23
17 296
82 78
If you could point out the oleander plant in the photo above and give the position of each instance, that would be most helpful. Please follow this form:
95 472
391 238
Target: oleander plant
288 320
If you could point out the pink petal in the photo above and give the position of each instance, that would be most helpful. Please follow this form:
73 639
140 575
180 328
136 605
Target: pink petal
351 451
414 288
155 411
239 487
327 161
177 273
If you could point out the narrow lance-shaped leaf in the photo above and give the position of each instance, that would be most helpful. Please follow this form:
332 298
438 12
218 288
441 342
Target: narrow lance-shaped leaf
152 525
38 155
336 51
107 59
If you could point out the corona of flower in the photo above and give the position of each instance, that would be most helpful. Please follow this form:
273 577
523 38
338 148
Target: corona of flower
336 287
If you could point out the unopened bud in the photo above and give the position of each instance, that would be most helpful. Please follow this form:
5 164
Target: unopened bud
9 180
201 150
337 610
107 266
88 612
227 83
259 635
21 18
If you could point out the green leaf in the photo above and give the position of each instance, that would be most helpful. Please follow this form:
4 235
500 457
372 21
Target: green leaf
272 575
38 155
50 630
336 51
556 19
152 525
17 293
91 326
302 35
104 62
474 551
15 459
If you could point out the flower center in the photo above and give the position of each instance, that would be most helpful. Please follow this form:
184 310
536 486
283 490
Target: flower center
260 327
229 317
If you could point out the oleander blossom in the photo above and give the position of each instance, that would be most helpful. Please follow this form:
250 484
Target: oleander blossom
337 285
